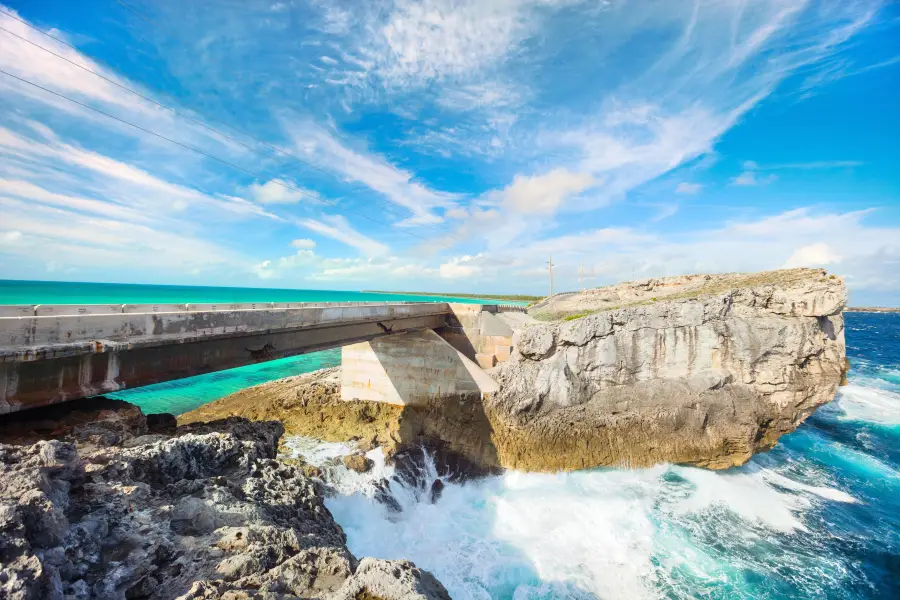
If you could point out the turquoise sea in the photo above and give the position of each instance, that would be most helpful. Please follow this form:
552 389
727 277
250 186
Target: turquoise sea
186 394
66 292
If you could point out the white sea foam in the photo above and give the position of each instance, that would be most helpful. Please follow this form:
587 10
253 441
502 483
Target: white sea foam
869 404
747 495
327 455
603 533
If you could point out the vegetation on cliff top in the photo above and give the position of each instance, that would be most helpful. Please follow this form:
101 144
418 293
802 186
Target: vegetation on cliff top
588 303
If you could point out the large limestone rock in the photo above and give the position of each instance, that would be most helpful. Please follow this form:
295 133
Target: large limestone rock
207 513
703 370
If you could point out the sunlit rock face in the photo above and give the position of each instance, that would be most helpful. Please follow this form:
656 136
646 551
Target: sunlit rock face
703 369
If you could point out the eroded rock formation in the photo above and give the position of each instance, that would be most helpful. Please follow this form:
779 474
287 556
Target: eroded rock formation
205 513
702 370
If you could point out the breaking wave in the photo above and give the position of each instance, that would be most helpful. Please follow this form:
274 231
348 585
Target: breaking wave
818 516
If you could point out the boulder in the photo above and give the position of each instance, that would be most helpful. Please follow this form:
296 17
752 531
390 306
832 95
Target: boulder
358 462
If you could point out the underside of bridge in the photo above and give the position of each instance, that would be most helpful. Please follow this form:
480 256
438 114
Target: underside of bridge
58 354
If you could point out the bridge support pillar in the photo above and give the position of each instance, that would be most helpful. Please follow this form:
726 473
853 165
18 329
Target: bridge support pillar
409 369
479 332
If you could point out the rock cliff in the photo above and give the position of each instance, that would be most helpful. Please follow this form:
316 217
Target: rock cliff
699 369
702 370
208 512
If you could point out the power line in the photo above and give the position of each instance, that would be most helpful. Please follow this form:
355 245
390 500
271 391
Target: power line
550 266
202 153
186 43
189 118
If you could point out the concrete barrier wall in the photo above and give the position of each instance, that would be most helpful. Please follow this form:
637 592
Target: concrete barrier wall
477 332
22 337
39 310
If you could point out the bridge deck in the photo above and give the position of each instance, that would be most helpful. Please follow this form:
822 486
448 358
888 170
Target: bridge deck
55 353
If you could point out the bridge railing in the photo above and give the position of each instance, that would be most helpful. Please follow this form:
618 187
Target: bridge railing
47 310
22 336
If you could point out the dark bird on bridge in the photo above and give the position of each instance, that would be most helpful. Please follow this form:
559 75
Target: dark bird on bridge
385 328
264 352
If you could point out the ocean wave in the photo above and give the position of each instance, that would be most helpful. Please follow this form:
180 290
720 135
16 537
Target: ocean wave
607 533
869 404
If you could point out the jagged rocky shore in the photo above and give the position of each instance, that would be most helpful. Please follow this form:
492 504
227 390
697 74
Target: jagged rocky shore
703 370
110 508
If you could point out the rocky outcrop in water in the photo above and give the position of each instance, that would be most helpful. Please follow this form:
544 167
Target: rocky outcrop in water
205 513
702 370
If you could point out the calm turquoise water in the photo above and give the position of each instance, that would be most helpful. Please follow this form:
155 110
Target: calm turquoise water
182 395
186 394
61 292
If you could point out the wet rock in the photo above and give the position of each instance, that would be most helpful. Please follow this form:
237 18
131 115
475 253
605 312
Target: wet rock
358 462
165 423
436 489
391 580
99 421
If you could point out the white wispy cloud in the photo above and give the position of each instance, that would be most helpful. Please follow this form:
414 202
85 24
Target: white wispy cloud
279 191
338 228
303 244
751 178
374 270
688 188
543 194
813 255
394 184
95 166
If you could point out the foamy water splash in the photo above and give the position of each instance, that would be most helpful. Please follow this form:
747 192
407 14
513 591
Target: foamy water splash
603 533
869 403
817 517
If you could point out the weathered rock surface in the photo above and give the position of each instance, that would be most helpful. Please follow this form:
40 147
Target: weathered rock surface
699 369
703 370
310 405
206 513
358 462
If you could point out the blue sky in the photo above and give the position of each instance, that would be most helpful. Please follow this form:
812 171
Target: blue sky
449 145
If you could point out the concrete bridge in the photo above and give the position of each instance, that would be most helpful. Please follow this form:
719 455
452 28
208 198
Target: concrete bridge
397 352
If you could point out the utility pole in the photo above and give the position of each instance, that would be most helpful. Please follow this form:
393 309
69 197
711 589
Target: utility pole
550 270
581 275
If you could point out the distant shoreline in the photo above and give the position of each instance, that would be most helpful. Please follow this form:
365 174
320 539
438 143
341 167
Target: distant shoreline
508 297
872 309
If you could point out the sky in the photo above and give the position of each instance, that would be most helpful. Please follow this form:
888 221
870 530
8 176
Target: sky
449 145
